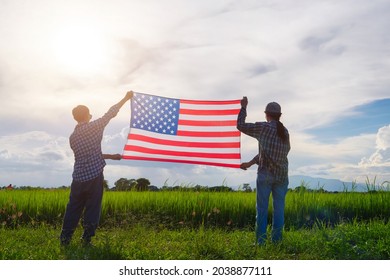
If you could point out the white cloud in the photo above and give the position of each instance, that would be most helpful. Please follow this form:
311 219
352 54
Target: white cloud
354 158
383 138
381 157
350 149
34 158
177 174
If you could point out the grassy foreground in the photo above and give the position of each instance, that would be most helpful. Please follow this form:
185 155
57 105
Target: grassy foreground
198 226
352 241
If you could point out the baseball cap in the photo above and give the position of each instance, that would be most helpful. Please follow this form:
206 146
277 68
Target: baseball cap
273 107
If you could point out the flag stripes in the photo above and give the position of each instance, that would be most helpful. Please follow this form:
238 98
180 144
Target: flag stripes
143 138
184 131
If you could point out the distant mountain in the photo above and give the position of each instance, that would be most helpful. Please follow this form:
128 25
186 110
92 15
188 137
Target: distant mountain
331 185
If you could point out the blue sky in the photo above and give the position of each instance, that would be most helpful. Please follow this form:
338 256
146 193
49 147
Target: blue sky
325 62
366 118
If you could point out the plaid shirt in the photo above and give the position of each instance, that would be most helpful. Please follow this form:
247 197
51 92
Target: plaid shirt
85 142
272 150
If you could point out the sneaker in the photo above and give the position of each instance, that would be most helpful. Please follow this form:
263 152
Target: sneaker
66 237
86 241
64 241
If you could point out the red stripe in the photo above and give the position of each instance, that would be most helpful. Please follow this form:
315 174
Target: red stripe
224 110
182 143
208 123
208 133
182 161
209 112
181 154
209 102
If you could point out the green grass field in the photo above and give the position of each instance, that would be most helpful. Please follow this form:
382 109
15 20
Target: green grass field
198 225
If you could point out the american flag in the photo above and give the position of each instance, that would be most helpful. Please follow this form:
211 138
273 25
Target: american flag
183 131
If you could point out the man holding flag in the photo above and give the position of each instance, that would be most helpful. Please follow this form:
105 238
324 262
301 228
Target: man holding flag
87 185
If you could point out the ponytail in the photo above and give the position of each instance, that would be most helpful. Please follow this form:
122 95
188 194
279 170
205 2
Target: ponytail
280 129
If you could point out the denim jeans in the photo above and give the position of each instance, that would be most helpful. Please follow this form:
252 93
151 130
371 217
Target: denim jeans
266 183
87 197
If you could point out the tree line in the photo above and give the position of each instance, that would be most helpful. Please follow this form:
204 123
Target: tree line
142 184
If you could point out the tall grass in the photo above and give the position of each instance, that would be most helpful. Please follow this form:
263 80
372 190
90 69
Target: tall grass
182 208
32 206
308 208
194 209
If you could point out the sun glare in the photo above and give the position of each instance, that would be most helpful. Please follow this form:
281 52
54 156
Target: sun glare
80 49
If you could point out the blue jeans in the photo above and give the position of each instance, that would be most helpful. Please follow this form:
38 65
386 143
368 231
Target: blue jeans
84 196
266 184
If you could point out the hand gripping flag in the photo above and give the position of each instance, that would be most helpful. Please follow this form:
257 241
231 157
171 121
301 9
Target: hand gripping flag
183 131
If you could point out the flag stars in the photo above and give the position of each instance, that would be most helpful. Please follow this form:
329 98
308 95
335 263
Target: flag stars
155 114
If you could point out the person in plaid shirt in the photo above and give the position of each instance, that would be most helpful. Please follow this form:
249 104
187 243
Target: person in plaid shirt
87 185
272 173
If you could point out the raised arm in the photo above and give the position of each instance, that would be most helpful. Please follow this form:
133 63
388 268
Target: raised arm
113 111
250 129
127 97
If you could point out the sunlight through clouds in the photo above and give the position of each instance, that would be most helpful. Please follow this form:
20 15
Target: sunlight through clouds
80 49
325 62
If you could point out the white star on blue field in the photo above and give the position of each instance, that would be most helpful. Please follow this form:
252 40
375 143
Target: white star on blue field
155 114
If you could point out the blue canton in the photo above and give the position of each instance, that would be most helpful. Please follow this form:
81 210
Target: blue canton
154 113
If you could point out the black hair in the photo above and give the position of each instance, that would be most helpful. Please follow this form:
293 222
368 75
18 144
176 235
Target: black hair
280 129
